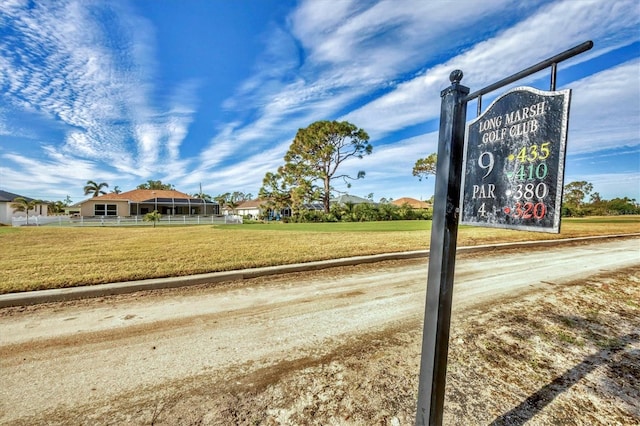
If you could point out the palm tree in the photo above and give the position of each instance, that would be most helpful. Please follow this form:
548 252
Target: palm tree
201 195
21 204
233 204
95 188
56 206
221 199
154 217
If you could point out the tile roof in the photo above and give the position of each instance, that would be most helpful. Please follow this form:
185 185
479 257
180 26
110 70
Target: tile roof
250 204
139 195
346 198
10 196
415 204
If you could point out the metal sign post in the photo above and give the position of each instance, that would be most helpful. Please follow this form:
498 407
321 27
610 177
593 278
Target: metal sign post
446 209
442 253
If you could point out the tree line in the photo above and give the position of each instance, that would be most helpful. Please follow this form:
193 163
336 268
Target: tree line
579 200
311 166
365 212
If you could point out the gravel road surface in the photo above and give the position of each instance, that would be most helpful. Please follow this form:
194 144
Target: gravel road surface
90 354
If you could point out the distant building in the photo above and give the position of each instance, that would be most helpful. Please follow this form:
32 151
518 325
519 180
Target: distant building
257 209
248 208
7 212
412 202
139 202
352 199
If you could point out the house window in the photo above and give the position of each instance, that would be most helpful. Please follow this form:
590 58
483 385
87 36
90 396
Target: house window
105 210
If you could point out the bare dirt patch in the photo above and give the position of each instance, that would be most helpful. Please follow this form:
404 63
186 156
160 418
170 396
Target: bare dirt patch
567 355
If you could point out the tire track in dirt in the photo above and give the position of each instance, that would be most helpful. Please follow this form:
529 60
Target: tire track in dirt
92 352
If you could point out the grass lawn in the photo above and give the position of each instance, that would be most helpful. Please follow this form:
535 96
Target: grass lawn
33 258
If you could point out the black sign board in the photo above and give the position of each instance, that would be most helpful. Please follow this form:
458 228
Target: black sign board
514 161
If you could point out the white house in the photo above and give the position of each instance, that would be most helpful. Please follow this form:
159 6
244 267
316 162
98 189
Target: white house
139 202
7 213
248 208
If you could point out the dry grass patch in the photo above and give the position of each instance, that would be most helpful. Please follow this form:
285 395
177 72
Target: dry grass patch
52 257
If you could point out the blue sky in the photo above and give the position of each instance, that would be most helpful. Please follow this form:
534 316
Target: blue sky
212 92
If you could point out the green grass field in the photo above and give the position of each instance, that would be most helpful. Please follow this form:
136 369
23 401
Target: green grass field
33 258
388 226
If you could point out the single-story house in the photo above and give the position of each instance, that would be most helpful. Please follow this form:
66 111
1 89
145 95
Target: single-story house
73 210
7 212
351 199
412 202
250 208
255 209
139 202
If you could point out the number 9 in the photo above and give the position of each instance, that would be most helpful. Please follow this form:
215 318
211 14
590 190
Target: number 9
489 166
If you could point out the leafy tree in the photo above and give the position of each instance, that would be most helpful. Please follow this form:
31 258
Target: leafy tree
405 212
233 204
155 184
576 192
366 212
347 212
239 196
281 190
56 206
388 211
425 166
116 190
154 217
236 196
95 188
622 206
315 155
222 199
21 204
201 195
275 192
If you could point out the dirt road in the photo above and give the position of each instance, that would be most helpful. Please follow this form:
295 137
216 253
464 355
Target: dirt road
80 360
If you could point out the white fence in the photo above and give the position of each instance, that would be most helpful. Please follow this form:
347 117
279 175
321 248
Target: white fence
123 221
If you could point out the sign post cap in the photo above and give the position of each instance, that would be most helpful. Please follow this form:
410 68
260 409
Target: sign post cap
455 76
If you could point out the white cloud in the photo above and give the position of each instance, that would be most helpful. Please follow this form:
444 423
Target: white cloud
334 55
346 50
96 81
59 173
543 34
611 185
343 53
605 110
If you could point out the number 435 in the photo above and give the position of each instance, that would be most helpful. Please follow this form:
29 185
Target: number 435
534 152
